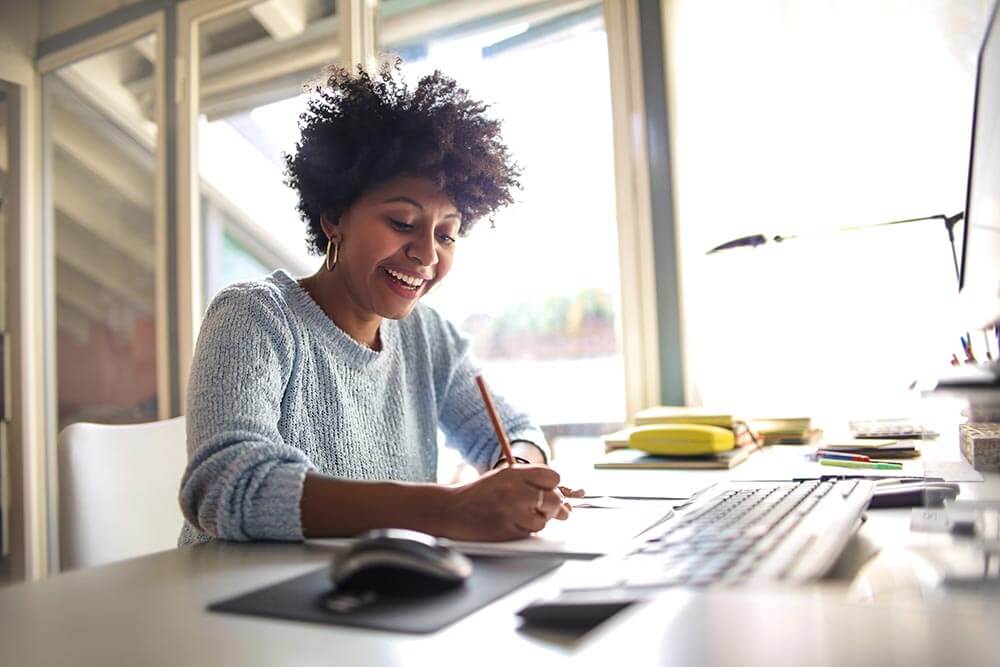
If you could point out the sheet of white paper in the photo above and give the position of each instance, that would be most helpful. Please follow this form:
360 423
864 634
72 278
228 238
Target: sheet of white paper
614 502
587 533
664 484
952 471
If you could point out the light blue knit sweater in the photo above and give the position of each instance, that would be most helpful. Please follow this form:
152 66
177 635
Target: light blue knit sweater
277 389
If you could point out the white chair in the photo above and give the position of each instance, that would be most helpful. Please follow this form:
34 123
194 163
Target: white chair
118 487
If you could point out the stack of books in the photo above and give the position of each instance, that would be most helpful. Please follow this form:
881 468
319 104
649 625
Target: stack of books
619 455
785 430
670 414
876 449
638 460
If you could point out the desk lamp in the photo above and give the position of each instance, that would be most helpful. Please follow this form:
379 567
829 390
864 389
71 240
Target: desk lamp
950 221
755 240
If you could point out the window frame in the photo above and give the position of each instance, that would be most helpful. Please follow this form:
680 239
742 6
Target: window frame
43 311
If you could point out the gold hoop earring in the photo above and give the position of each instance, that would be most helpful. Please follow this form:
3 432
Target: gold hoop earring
331 263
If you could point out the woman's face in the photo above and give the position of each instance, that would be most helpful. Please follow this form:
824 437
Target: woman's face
396 242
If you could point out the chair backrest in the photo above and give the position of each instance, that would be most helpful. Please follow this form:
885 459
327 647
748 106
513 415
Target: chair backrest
118 487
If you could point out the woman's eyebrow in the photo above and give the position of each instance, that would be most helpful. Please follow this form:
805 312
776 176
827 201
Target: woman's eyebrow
404 199
413 202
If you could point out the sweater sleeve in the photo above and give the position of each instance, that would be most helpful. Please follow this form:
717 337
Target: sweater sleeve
242 481
461 411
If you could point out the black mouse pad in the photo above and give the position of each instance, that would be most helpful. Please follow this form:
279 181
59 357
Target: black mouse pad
308 598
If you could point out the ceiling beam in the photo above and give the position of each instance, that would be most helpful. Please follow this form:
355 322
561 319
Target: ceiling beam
103 266
98 83
78 203
146 46
282 19
78 292
267 69
133 180
70 321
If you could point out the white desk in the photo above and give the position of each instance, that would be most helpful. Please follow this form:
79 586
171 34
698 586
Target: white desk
151 611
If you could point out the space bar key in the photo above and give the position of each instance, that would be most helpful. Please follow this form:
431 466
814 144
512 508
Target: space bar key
784 556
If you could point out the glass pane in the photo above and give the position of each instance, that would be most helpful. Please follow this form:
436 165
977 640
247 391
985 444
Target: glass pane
539 293
101 135
254 62
780 130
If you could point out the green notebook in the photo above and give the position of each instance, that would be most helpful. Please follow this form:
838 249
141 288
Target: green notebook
633 459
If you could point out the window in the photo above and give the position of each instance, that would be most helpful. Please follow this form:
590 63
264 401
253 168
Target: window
253 63
101 134
539 293
797 117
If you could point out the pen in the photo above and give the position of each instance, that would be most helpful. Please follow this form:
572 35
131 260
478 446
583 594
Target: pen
843 457
495 418
970 358
871 465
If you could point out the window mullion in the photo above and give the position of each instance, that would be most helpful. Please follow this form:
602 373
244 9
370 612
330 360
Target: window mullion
357 32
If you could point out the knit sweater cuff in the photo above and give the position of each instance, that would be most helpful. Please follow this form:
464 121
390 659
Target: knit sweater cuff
535 437
277 512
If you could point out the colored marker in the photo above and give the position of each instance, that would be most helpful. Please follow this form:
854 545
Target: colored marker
870 465
840 456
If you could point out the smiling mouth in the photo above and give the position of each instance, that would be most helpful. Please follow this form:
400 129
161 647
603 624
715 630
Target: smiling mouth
404 281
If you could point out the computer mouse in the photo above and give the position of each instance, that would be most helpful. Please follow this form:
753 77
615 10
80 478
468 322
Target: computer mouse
399 562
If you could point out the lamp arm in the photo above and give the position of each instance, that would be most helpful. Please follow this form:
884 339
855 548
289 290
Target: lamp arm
949 224
940 216
759 239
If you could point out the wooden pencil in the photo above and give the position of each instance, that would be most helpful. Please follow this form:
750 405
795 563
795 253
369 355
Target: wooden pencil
495 418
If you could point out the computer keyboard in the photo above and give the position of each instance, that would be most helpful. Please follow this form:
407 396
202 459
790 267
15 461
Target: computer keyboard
728 535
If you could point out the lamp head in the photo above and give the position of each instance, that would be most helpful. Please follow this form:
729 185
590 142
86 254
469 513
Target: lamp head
753 241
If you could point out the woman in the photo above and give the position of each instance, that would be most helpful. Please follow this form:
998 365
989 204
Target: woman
314 404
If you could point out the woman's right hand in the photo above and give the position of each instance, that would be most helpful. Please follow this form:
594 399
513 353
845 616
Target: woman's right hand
505 504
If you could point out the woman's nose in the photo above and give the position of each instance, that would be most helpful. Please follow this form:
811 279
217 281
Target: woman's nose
423 249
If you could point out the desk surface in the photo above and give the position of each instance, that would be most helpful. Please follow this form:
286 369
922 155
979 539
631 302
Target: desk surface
152 611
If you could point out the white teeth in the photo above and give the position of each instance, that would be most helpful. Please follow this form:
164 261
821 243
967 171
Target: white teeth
409 280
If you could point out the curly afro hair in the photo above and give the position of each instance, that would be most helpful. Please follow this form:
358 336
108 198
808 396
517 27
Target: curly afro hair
359 131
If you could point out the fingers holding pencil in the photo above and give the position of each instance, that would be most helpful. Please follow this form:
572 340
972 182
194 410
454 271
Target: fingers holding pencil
551 499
